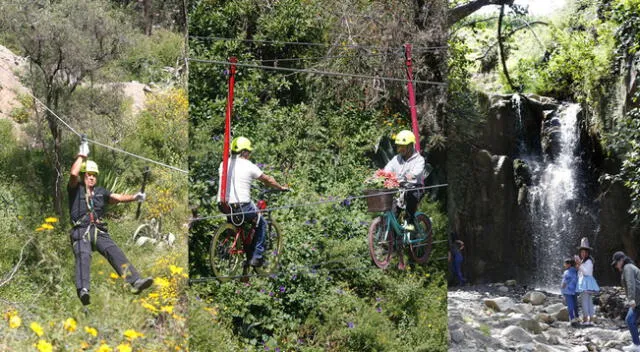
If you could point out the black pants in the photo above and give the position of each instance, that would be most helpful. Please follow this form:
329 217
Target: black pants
412 198
82 251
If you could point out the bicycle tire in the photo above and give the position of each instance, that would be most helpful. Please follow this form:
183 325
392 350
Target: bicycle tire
224 263
420 251
380 242
144 230
273 248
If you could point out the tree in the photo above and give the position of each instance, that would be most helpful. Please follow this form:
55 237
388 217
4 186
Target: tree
463 10
67 42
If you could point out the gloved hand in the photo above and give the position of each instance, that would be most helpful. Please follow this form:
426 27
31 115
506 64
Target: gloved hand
140 197
84 148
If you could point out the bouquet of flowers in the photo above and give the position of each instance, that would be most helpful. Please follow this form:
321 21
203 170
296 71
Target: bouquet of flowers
382 179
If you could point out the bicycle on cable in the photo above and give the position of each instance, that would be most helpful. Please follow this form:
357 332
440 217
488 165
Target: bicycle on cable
233 243
151 232
388 232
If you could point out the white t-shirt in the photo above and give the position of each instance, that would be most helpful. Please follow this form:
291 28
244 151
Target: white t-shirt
240 175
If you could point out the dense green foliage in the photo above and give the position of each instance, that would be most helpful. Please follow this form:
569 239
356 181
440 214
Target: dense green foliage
36 259
327 294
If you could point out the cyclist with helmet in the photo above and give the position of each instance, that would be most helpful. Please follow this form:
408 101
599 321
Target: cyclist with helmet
408 165
241 173
87 205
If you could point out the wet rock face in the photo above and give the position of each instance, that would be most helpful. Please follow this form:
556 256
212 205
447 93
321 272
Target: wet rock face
489 200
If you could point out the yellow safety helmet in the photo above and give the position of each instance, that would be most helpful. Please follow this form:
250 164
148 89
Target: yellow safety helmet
239 144
405 137
89 166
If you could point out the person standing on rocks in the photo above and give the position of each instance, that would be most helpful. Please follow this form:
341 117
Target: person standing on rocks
455 256
630 280
587 284
568 288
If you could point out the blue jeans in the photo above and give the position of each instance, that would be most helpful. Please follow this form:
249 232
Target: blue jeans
632 315
457 267
572 305
261 230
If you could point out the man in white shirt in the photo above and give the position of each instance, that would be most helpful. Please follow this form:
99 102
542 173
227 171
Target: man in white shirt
408 165
240 175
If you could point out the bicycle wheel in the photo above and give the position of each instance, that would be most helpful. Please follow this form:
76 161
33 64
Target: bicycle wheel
226 259
273 248
380 242
420 250
143 234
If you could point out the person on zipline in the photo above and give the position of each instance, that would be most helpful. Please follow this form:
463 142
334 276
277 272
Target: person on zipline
408 165
240 175
87 205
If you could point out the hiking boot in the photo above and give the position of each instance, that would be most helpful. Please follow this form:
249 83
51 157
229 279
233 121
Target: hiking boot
84 296
141 285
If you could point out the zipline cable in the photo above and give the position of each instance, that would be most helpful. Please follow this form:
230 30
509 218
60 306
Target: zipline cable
317 72
329 200
94 141
278 42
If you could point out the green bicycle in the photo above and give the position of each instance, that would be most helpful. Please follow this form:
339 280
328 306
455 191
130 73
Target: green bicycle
387 233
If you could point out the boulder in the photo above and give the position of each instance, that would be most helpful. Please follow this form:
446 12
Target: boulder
531 325
516 334
510 283
534 297
500 304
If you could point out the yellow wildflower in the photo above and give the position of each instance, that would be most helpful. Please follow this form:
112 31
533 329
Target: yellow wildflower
162 282
124 347
36 328
175 269
15 322
70 325
149 306
168 309
91 331
40 229
47 226
84 345
104 348
131 334
51 220
114 276
44 346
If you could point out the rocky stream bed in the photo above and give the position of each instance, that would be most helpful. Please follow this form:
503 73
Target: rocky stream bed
511 317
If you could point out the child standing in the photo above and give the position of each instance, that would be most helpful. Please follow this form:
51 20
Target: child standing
568 287
587 284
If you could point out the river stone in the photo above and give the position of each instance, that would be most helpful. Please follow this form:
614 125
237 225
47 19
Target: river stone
554 308
534 297
531 325
457 335
500 304
524 308
554 340
545 318
503 289
510 283
540 347
516 334
562 314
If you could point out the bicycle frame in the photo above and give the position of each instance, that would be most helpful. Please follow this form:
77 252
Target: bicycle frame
392 222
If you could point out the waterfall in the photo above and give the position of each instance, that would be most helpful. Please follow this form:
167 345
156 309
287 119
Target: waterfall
553 198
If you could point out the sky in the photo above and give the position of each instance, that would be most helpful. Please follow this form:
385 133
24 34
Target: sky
536 7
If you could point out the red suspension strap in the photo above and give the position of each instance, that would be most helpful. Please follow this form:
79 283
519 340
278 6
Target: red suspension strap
227 130
412 96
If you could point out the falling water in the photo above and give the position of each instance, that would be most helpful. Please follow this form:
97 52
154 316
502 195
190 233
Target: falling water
553 198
